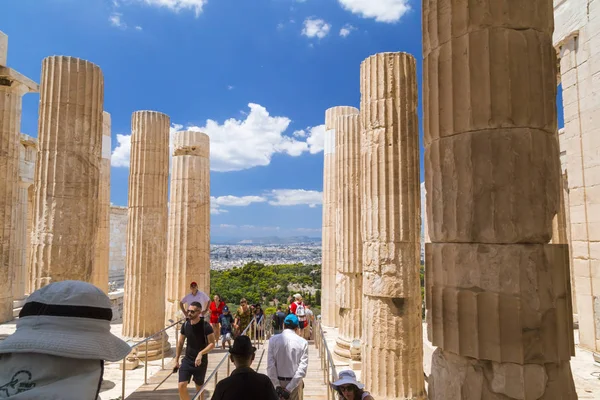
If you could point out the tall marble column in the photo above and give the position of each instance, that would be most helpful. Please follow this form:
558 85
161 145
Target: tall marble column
27 156
498 293
144 300
67 173
330 308
348 237
188 241
101 258
392 332
13 86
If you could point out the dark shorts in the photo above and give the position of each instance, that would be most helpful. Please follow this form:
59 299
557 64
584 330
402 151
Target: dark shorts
187 370
302 324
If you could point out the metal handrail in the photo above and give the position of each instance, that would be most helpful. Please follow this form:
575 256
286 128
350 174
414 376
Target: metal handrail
145 341
215 372
327 364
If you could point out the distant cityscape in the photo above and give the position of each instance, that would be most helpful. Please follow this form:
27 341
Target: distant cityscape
230 253
268 251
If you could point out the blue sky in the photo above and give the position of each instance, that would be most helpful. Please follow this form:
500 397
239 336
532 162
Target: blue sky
256 75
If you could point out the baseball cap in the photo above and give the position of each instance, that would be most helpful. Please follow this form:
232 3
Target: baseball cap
291 321
193 284
225 309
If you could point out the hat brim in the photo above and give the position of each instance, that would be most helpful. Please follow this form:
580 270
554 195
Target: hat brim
347 381
71 344
243 354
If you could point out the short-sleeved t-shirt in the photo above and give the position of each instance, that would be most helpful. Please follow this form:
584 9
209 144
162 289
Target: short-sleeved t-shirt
197 337
226 322
200 297
244 316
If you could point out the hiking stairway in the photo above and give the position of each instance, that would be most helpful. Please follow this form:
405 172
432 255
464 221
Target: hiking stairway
163 384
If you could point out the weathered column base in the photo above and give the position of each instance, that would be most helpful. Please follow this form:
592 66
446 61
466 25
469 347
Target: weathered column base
155 349
465 378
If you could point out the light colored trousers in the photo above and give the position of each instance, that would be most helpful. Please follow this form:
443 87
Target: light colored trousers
298 393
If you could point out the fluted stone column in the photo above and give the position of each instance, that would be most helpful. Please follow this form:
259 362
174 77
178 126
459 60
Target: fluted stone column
101 258
67 171
144 300
348 239
12 88
392 332
27 156
496 290
330 308
188 241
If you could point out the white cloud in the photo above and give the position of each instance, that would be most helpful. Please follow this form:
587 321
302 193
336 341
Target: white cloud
316 139
138 28
346 30
314 27
239 144
115 20
227 226
294 197
120 155
230 87
234 201
380 10
308 230
178 5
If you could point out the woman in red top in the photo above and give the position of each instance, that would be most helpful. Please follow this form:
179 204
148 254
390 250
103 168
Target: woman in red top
216 310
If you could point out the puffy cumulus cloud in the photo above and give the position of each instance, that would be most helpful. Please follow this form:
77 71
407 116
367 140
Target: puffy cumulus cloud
381 10
346 30
315 27
120 155
177 5
294 197
238 144
316 139
241 144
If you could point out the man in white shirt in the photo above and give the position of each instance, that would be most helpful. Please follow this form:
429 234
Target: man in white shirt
287 360
195 295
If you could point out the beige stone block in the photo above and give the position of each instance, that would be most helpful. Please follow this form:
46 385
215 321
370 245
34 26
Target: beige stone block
482 81
3 49
580 250
578 212
581 268
444 20
585 308
390 269
577 197
506 196
583 284
501 303
394 331
592 176
568 78
456 377
594 232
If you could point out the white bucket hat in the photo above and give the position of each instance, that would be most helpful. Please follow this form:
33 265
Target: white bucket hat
297 296
67 319
347 377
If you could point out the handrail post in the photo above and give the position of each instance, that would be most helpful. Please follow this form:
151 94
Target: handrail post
123 383
146 365
162 349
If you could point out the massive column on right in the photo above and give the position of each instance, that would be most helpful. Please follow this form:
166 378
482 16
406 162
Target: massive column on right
330 310
144 301
497 292
392 356
188 240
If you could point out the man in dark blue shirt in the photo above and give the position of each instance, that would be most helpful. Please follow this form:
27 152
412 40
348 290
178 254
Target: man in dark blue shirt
244 382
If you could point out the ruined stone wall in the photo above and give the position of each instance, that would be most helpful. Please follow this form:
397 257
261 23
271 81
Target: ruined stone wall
118 246
578 44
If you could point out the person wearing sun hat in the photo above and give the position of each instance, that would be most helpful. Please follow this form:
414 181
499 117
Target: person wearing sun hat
287 360
244 382
349 388
62 340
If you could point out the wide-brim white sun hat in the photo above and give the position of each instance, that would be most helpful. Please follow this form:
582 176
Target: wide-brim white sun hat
347 377
67 319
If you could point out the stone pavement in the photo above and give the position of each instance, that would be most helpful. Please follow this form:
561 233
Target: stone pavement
585 372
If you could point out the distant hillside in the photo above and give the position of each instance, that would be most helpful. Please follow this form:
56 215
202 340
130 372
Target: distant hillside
268 240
